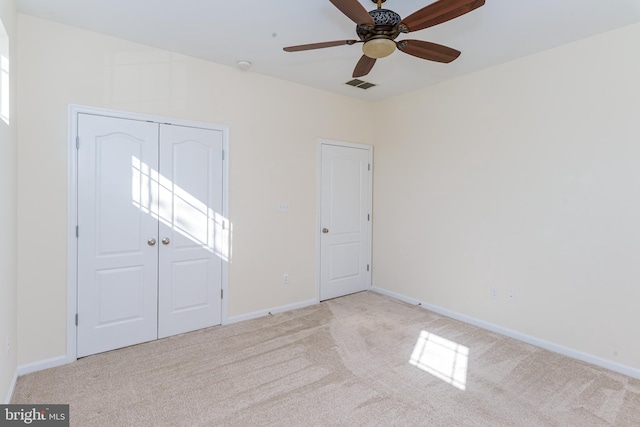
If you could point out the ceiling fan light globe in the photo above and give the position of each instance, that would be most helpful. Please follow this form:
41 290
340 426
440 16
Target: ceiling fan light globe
379 48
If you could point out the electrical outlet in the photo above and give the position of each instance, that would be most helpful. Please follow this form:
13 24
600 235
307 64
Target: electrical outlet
285 278
493 293
511 296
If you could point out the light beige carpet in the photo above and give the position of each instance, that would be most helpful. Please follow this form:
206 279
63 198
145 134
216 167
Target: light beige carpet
344 362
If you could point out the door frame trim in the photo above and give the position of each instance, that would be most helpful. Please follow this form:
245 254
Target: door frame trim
319 144
72 205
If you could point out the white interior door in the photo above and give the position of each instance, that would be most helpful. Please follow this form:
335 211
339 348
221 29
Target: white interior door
345 240
191 228
117 249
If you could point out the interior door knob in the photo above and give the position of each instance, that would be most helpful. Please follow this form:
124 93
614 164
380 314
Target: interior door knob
325 230
151 242
165 241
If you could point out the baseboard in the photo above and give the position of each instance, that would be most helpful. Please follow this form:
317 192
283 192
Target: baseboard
33 367
12 388
42 365
556 348
263 313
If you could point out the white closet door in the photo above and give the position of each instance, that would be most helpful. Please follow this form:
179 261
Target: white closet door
191 229
118 228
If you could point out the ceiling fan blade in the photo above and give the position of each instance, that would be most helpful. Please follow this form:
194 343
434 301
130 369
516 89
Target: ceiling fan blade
363 66
427 50
318 45
439 12
354 11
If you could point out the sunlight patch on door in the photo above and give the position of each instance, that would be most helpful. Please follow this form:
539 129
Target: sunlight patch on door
196 221
442 358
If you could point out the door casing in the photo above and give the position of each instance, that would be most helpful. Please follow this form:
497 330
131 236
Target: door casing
319 226
72 206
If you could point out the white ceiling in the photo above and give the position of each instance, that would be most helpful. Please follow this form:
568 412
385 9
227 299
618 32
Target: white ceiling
227 31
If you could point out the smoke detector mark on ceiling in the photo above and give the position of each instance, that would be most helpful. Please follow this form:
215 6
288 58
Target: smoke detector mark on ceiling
360 84
243 65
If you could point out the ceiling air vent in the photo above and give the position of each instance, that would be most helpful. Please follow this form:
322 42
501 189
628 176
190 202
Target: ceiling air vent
360 84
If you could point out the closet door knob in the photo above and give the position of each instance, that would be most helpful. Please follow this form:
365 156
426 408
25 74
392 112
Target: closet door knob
151 242
165 241
325 230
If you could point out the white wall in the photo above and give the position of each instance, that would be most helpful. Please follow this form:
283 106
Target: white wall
273 125
522 177
8 221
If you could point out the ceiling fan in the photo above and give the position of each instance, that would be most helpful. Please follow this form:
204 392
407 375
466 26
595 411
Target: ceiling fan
379 28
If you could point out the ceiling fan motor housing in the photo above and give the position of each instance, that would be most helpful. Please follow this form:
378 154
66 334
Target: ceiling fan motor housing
385 17
386 24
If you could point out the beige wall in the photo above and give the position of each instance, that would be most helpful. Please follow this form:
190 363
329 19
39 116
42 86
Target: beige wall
8 161
273 126
522 177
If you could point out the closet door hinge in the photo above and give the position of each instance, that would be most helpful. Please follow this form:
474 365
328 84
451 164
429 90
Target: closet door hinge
221 293
369 167
76 319
77 231
77 142
222 154
367 267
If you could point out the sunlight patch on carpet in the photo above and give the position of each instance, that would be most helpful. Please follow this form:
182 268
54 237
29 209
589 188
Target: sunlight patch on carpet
442 358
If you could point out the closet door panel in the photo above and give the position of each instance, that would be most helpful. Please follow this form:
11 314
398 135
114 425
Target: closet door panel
117 221
190 201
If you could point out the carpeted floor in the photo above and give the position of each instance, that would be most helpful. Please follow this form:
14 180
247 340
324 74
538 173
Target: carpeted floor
360 360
